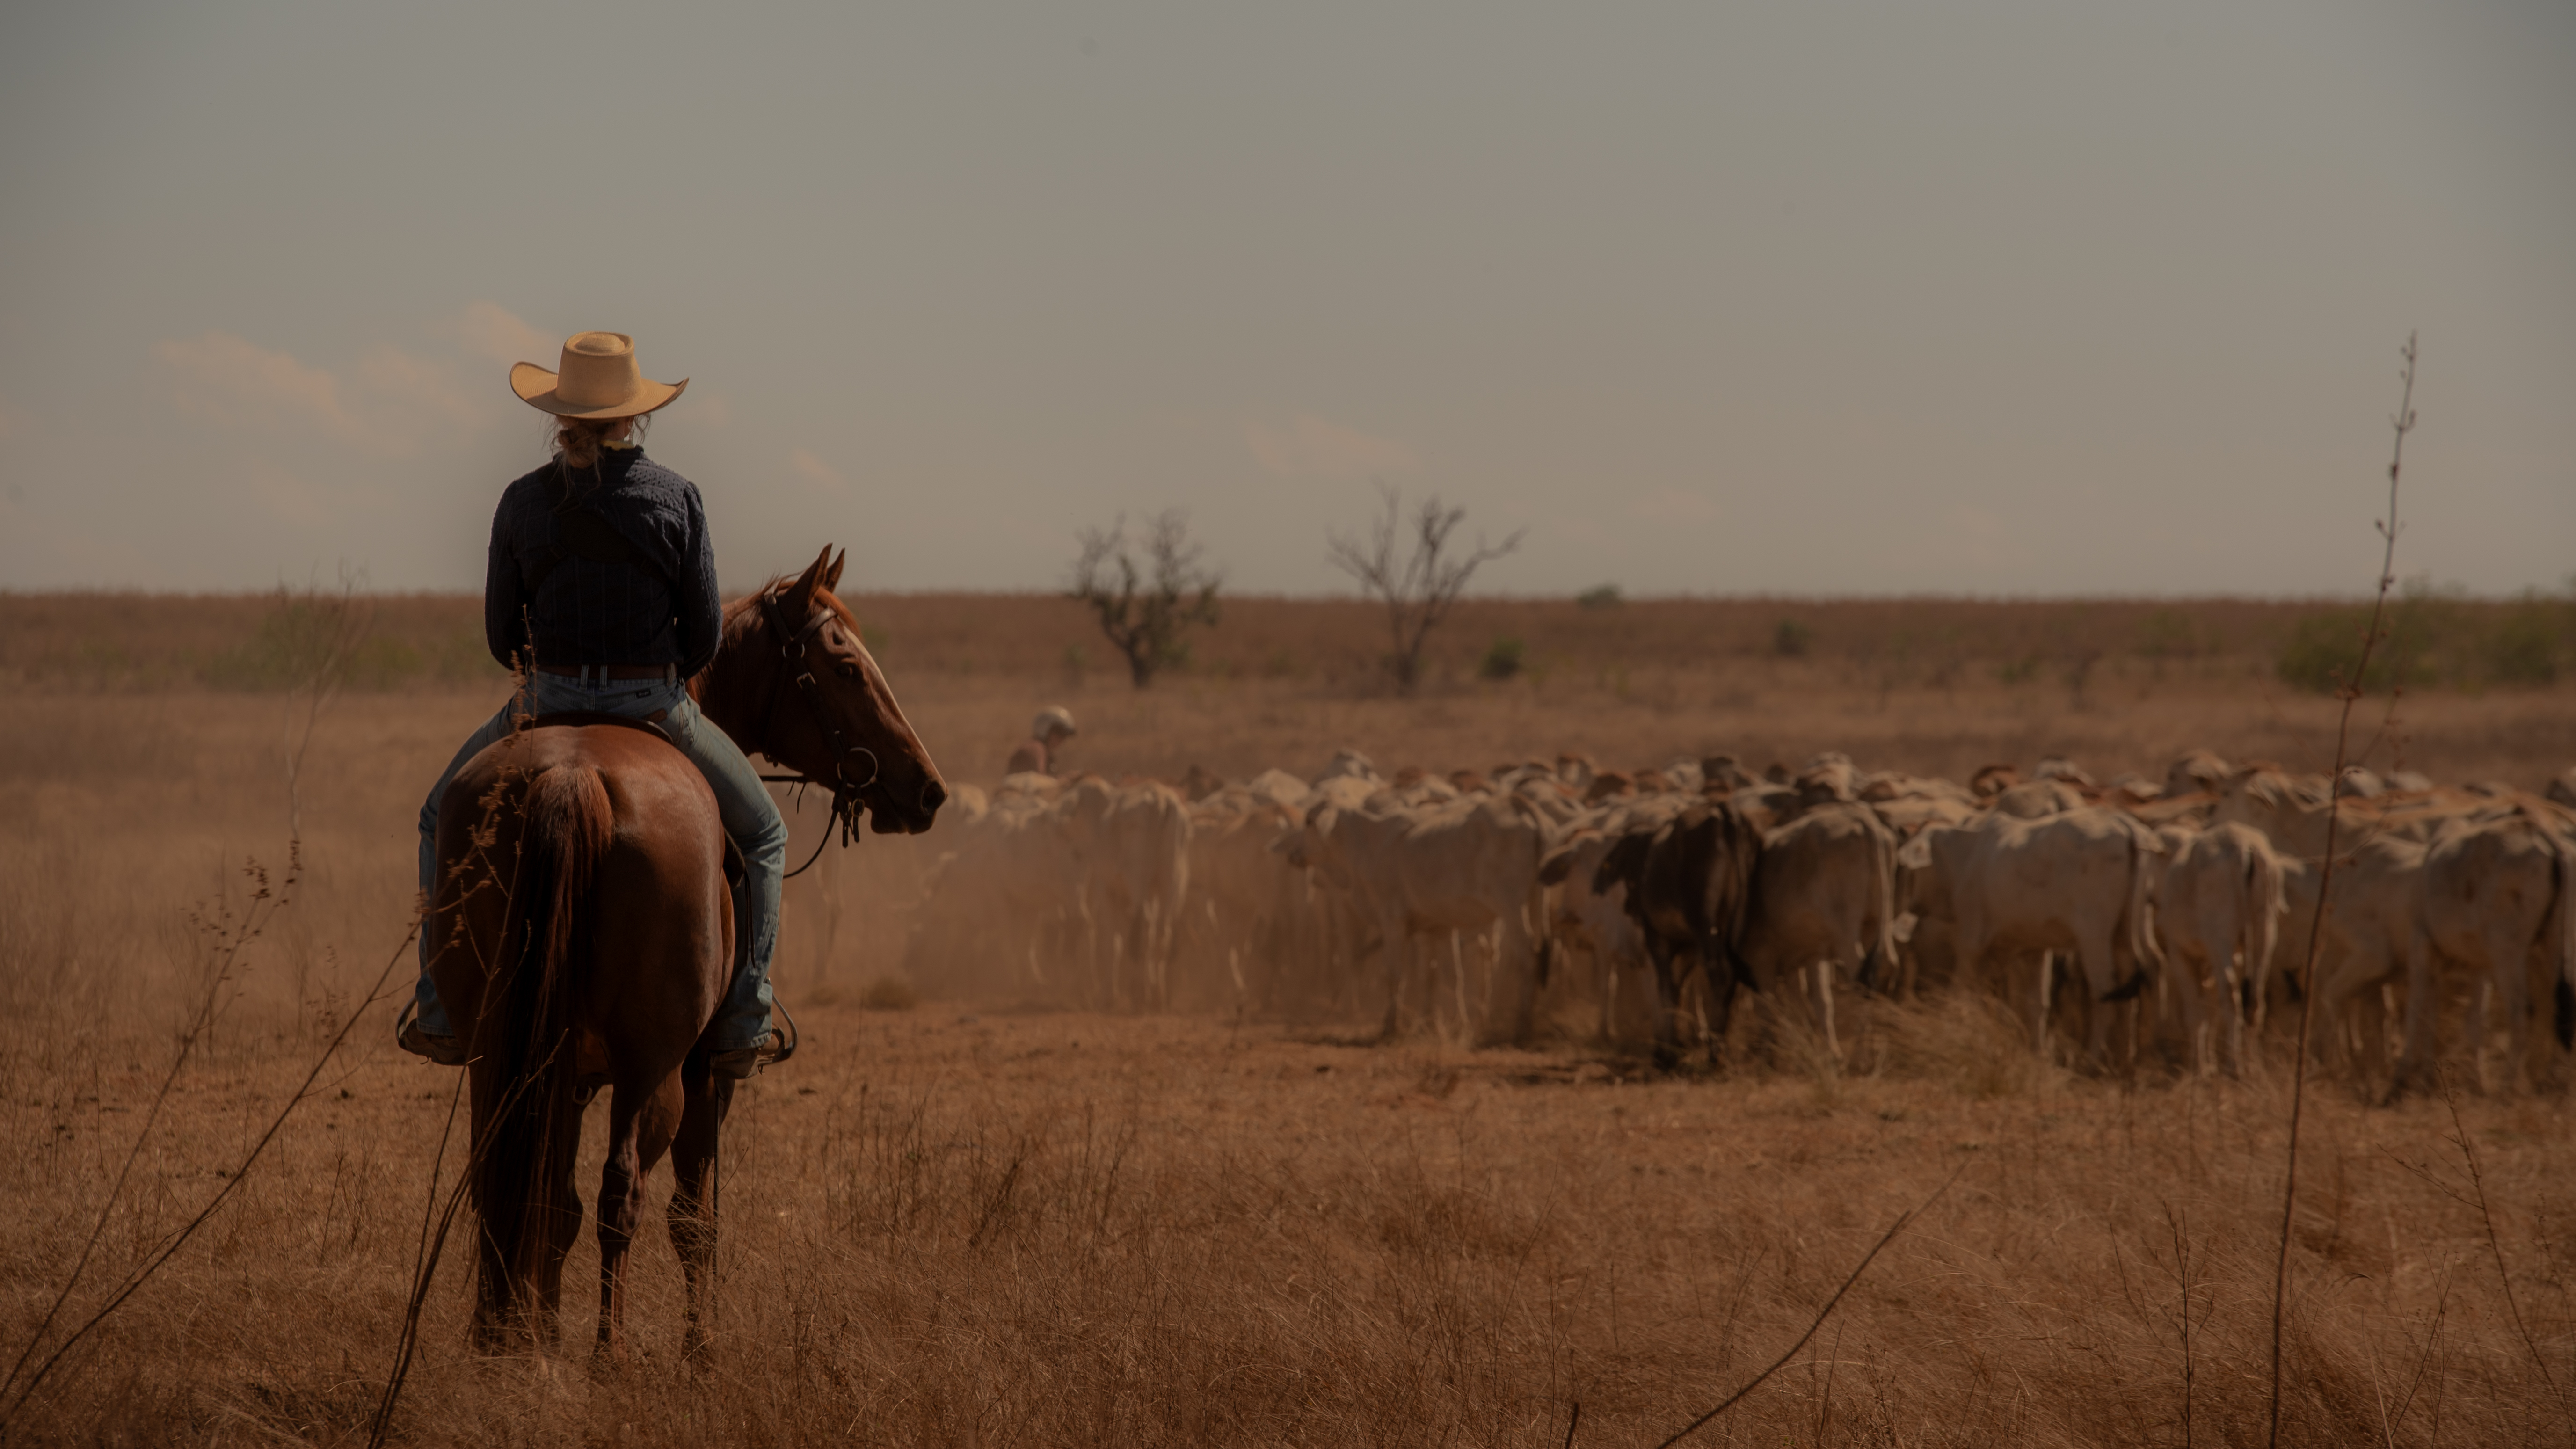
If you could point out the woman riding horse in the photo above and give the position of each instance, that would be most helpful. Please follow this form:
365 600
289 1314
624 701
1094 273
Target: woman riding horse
601 584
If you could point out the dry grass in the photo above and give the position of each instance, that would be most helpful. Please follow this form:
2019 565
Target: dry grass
960 1224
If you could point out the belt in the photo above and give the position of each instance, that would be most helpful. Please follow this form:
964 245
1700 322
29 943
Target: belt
603 673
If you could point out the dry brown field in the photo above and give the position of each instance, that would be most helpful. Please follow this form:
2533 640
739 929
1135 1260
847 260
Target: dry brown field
986 1222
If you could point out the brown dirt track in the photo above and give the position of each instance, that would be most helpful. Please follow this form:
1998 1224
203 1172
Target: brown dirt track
967 1223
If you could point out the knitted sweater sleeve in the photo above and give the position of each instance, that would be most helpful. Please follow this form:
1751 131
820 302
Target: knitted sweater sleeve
505 601
699 610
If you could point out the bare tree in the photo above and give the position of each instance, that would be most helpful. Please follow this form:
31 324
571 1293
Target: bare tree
1148 588
1419 588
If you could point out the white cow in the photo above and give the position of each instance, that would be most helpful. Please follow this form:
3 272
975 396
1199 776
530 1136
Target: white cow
1133 847
2497 907
1239 932
2219 902
1823 908
1417 879
1007 904
2079 882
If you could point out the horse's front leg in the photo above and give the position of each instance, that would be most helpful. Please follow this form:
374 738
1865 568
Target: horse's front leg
642 1120
693 1200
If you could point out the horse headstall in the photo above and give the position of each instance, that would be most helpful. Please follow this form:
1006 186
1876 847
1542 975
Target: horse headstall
846 803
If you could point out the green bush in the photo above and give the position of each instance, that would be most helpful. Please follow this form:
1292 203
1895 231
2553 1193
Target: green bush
2323 650
2431 639
1792 639
2527 643
1601 596
1503 660
2172 634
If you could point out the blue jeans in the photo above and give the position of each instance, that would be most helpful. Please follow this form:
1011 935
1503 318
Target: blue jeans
749 815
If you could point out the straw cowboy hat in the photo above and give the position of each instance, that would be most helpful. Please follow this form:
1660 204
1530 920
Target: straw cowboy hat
598 380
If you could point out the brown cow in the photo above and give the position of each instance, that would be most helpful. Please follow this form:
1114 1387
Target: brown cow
1688 886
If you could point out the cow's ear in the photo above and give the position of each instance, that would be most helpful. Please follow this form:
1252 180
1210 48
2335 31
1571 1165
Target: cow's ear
1621 865
1558 865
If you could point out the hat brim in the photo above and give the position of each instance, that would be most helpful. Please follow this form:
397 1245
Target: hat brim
536 387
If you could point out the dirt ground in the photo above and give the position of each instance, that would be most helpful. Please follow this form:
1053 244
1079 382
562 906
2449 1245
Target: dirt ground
967 1223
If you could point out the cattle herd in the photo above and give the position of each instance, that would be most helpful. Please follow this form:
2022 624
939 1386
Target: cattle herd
2137 922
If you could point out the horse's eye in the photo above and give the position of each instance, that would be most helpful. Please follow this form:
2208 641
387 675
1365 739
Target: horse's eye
846 670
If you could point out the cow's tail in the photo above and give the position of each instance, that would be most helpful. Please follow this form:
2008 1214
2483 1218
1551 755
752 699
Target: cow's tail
2563 940
1731 901
2259 922
1539 921
1879 930
2141 931
523 1167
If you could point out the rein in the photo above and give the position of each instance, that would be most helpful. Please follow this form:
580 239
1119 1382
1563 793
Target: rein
791 664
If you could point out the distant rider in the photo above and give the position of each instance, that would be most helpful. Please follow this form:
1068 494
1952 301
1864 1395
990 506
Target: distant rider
1053 726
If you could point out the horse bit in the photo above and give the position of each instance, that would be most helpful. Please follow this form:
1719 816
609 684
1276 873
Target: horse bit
845 793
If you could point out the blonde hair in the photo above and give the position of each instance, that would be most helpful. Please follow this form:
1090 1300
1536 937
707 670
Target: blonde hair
578 440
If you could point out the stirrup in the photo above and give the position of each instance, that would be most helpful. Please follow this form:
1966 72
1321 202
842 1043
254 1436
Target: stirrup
744 1063
444 1051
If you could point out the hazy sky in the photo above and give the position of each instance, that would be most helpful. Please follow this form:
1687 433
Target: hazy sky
1812 297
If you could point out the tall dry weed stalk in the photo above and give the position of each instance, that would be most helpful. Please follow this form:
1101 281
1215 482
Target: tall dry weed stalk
1731 1400
2350 693
325 628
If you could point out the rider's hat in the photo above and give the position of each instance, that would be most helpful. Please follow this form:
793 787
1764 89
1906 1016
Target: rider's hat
598 379
1054 717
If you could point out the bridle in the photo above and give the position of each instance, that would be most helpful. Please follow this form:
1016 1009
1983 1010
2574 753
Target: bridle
791 665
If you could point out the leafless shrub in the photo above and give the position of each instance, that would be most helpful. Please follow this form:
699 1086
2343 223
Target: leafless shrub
1147 589
1419 587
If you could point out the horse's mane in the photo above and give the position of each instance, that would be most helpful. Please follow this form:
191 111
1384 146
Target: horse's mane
742 616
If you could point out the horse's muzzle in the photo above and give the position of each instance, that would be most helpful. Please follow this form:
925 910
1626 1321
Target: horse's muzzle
888 817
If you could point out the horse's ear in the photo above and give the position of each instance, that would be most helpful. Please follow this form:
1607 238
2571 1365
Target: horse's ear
798 601
832 576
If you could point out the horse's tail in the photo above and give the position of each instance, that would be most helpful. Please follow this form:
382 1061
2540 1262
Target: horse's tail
524 1175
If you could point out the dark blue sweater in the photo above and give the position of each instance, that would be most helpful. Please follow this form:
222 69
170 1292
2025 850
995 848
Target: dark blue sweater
590 612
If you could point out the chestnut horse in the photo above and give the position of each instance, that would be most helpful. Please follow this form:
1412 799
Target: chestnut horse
582 893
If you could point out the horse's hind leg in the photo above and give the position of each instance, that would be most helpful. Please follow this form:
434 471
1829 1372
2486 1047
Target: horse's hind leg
641 1123
562 1228
693 1199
